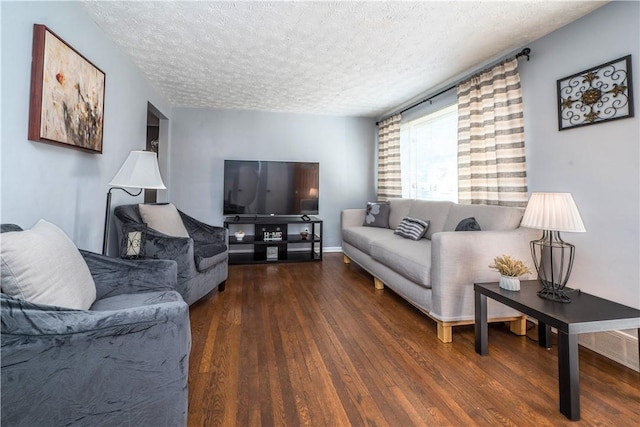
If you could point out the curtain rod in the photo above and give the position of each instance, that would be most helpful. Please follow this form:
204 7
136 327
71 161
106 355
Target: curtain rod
524 52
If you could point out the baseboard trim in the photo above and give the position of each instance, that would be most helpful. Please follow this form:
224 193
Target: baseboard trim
615 345
619 346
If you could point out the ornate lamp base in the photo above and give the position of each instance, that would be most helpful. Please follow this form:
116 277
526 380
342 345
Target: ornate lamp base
553 259
552 294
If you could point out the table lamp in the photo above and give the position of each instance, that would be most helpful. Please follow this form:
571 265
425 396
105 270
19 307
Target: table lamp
553 257
140 171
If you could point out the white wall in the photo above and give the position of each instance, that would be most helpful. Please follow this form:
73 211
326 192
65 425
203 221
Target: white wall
599 164
203 138
62 185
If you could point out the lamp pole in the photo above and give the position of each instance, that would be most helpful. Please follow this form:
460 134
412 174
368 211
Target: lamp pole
107 217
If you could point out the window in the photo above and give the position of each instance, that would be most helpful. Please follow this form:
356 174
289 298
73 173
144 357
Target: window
429 156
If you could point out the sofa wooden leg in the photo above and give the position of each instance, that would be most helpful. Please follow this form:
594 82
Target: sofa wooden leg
445 332
221 286
379 284
346 259
519 326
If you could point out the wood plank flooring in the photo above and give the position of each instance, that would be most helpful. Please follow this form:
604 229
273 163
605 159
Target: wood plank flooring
314 344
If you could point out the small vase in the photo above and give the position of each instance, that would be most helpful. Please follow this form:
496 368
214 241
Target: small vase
510 283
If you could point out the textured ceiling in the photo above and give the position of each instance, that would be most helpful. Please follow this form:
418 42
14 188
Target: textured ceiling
338 58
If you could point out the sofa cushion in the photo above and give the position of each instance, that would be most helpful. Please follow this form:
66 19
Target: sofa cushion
125 301
164 218
412 228
468 224
377 215
409 258
433 211
489 217
207 255
362 237
43 266
400 209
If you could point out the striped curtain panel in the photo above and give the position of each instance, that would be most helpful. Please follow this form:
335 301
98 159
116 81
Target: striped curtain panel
491 155
389 185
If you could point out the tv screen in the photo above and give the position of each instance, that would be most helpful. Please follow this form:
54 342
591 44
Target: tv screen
255 187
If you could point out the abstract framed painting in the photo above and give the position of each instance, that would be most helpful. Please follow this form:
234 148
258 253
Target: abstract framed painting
596 95
67 95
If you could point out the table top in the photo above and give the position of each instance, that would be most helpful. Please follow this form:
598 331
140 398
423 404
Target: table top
585 312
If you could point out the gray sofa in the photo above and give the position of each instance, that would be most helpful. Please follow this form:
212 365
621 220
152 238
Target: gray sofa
436 273
202 258
123 362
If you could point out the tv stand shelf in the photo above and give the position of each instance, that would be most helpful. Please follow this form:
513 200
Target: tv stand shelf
274 239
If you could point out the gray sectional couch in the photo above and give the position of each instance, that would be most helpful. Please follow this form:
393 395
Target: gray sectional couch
436 273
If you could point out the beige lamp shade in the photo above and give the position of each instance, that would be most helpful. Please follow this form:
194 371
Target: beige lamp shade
140 170
552 211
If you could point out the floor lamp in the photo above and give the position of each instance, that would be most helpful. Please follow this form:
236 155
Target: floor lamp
552 256
140 171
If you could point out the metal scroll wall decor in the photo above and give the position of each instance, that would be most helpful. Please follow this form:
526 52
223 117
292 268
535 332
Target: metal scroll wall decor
596 95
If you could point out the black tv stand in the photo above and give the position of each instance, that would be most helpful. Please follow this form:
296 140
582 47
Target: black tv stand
274 239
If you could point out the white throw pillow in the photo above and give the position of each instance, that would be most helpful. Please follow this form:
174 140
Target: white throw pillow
43 266
163 218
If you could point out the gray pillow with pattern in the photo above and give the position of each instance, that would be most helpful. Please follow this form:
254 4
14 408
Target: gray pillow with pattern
377 215
412 228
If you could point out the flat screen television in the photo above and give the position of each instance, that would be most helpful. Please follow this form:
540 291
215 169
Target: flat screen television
259 187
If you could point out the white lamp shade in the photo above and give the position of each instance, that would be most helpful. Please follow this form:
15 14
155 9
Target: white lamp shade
140 170
552 211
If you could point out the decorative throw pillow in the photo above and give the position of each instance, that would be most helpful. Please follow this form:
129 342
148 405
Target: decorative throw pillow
377 214
133 238
468 224
412 228
43 266
164 218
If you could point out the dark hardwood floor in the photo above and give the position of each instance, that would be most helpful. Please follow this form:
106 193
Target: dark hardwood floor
315 344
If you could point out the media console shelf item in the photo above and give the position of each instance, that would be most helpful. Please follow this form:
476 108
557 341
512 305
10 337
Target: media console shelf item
274 239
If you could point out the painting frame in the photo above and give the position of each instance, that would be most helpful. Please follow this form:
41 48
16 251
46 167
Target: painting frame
66 105
596 95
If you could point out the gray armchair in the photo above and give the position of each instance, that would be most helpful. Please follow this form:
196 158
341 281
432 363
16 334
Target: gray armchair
202 257
124 361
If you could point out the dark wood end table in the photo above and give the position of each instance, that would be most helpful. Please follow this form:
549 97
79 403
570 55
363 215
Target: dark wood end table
585 313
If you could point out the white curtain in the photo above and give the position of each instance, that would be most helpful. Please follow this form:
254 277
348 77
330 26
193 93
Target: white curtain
389 184
491 154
